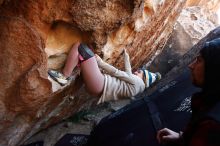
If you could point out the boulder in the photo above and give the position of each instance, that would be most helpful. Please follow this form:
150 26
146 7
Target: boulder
193 24
35 34
23 75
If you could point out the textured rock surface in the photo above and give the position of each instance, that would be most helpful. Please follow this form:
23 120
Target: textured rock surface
187 58
110 27
27 102
1 1
23 75
212 5
146 41
35 34
192 25
197 22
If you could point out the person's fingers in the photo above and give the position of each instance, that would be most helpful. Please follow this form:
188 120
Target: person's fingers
158 136
98 58
163 139
164 131
124 50
166 137
161 134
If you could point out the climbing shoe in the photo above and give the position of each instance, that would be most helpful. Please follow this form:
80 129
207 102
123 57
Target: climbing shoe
58 77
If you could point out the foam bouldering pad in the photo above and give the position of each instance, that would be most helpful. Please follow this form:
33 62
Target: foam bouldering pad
39 143
72 140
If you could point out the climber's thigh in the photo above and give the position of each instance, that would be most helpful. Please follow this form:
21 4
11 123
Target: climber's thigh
92 76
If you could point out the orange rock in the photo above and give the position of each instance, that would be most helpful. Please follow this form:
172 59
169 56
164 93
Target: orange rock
35 34
24 86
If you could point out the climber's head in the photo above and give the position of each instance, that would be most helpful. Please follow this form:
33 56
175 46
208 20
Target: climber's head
147 76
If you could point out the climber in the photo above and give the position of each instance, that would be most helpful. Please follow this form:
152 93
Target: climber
111 85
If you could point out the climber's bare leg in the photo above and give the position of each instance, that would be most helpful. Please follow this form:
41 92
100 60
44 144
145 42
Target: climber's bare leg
92 76
71 61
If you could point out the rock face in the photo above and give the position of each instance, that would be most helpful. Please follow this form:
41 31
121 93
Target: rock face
212 5
192 25
186 59
37 35
23 75
109 27
1 1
